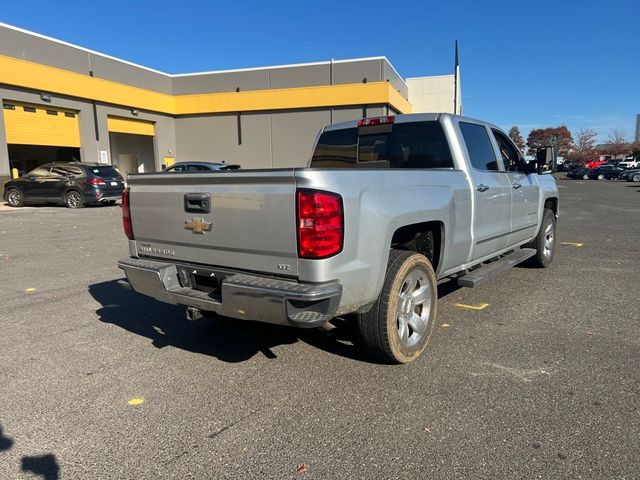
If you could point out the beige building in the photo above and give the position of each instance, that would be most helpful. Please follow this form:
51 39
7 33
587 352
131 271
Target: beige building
435 94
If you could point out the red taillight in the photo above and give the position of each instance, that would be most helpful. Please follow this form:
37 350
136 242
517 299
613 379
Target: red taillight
126 215
96 182
368 122
320 224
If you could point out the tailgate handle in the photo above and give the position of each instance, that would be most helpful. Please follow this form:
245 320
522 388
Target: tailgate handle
197 202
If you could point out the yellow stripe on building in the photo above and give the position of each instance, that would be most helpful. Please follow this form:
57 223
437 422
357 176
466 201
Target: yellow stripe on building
44 78
289 98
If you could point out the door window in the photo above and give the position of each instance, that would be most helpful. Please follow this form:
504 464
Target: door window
508 151
479 147
40 172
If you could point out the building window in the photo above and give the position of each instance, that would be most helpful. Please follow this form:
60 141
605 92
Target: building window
70 114
8 106
52 112
29 109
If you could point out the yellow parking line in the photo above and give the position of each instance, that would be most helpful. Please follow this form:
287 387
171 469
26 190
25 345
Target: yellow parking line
482 306
575 244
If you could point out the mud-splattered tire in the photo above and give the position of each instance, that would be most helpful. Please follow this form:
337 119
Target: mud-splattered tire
398 326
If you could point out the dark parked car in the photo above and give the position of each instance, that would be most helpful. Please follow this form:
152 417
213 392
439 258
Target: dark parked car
579 174
631 175
605 171
199 167
70 183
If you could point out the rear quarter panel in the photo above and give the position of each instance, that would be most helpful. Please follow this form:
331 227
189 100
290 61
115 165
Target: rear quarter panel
376 204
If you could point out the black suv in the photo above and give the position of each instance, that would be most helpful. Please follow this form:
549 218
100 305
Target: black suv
70 183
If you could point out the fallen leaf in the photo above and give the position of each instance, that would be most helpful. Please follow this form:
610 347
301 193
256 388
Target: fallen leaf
302 468
445 325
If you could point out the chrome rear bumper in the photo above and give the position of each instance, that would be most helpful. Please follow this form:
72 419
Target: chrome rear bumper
242 296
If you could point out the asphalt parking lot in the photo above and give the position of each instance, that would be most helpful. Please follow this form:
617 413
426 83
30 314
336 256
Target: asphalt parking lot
97 382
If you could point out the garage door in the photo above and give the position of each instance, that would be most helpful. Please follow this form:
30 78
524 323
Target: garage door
127 125
28 124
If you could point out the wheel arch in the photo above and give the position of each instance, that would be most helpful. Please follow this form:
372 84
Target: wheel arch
426 238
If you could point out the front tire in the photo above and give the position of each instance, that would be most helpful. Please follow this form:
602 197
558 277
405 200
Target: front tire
601 176
73 199
545 243
15 198
636 177
398 326
585 177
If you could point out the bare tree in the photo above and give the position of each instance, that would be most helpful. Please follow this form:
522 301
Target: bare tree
617 143
584 146
516 136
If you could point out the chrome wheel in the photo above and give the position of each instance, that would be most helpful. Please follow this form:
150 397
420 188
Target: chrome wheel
585 177
414 308
636 178
601 177
14 198
74 200
549 233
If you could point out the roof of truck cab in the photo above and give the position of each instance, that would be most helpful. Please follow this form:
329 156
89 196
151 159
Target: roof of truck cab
410 117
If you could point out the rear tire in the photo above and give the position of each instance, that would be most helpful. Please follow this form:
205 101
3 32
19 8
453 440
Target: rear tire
73 199
545 243
585 177
398 326
601 176
636 178
15 198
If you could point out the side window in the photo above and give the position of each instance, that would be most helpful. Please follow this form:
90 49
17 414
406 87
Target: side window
509 152
66 170
40 172
479 146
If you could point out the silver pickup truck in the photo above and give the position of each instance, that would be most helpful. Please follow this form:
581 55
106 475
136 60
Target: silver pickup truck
387 208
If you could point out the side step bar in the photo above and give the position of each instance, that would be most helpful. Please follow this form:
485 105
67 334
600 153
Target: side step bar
479 275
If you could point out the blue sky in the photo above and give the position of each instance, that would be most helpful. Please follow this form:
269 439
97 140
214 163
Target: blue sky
531 64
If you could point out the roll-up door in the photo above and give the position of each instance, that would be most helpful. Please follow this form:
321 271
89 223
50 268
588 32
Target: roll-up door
30 124
127 125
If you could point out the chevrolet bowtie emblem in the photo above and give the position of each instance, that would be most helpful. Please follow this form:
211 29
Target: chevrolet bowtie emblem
198 225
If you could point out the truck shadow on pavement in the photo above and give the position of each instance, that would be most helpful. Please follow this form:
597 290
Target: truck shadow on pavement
227 339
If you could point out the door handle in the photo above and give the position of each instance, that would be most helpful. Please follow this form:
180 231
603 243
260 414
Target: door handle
197 202
516 186
482 187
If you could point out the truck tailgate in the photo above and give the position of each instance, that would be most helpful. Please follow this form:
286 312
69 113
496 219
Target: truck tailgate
250 224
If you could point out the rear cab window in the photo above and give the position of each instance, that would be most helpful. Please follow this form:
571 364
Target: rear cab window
415 145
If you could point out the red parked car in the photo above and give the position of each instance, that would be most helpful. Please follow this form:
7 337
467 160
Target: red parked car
595 164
